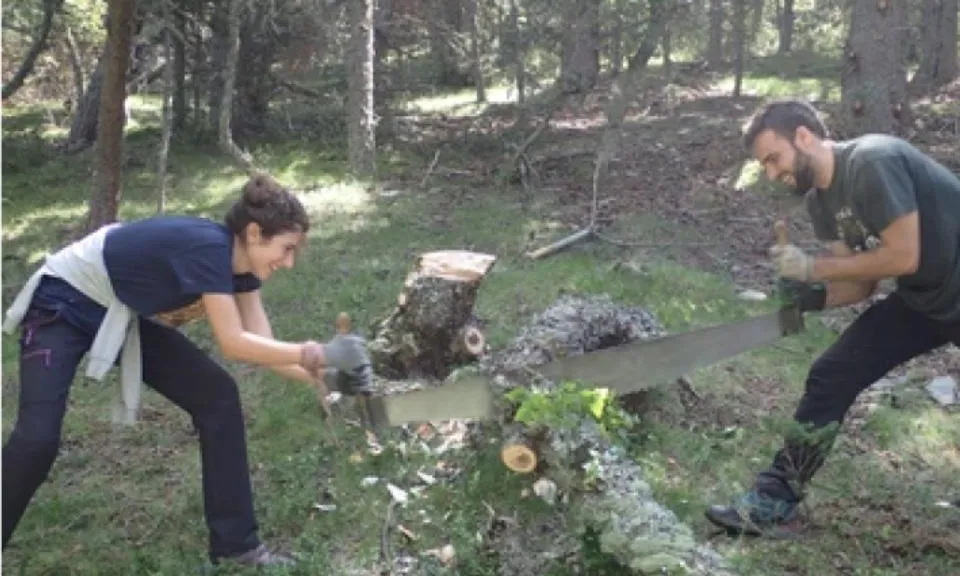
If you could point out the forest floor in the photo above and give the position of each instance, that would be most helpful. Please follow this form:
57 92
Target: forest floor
698 222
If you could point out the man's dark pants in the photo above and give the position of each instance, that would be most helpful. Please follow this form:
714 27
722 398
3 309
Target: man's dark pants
51 349
885 336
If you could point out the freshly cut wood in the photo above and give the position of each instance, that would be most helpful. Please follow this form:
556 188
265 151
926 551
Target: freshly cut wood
519 454
433 329
470 341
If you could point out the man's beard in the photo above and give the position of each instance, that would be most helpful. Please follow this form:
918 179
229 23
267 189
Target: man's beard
803 173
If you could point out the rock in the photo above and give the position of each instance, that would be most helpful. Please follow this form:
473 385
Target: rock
752 296
943 389
545 489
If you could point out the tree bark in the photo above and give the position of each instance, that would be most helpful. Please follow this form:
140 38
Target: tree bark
432 329
361 135
938 45
715 43
169 84
224 134
179 68
50 9
76 66
580 51
785 44
475 51
873 81
739 33
660 13
83 129
105 201
217 62
516 40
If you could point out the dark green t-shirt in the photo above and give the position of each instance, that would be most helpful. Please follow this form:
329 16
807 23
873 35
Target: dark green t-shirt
878 178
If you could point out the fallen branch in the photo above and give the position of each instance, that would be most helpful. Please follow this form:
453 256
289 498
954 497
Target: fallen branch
560 244
433 164
302 90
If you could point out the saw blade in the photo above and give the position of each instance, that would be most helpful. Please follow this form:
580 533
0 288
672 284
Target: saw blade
627 368
469 398
642 364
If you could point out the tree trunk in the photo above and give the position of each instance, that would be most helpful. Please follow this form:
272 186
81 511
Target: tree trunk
105 201
660 13
83 129
169 83
786 28
475 51
432 329
198 72
179 68
224 134
516 39
739 33
254 85
444 25
217 63
361 136
938 45
666 48
580 51
76 66
873 81
756 20
715 44
616 39
50 9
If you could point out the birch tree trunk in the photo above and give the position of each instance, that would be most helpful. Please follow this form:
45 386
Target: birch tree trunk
361 135
225 136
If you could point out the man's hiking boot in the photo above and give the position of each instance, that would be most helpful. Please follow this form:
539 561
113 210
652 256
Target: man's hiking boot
259 556
755 514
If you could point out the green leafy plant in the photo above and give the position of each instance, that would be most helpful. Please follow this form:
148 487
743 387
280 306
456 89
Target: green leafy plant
567 405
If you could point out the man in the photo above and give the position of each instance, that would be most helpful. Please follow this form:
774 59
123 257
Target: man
887 210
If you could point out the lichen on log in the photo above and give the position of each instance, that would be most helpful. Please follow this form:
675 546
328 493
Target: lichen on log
641 534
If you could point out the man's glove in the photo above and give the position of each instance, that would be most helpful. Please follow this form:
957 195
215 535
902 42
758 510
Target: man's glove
350 382
808 297
792 262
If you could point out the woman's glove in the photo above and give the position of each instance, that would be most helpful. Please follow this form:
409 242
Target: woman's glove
346 352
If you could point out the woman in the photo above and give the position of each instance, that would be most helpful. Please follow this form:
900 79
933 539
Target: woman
109 291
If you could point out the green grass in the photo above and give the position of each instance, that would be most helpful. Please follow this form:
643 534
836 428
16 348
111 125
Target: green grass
122 502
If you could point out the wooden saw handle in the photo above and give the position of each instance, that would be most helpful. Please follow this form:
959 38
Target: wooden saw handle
343 323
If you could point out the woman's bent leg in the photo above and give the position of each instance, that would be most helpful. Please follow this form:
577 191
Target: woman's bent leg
188 377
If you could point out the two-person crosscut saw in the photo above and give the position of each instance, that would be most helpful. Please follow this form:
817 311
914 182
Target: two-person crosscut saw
627 368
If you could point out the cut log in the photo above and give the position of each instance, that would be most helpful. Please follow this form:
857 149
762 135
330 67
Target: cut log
433 329
470 342
519 454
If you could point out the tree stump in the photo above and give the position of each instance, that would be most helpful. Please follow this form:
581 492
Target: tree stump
433 328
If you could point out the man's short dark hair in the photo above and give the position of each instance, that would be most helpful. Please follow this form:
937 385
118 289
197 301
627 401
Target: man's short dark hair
783 117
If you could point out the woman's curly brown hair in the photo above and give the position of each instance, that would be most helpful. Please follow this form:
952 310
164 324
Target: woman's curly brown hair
273 207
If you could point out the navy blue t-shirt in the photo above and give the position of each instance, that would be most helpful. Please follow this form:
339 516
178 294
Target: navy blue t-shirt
159 264
164 263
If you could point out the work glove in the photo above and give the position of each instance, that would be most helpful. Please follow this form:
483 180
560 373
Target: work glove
792 262
345 352
349 382
808 297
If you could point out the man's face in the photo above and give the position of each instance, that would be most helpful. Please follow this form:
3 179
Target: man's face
784 162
